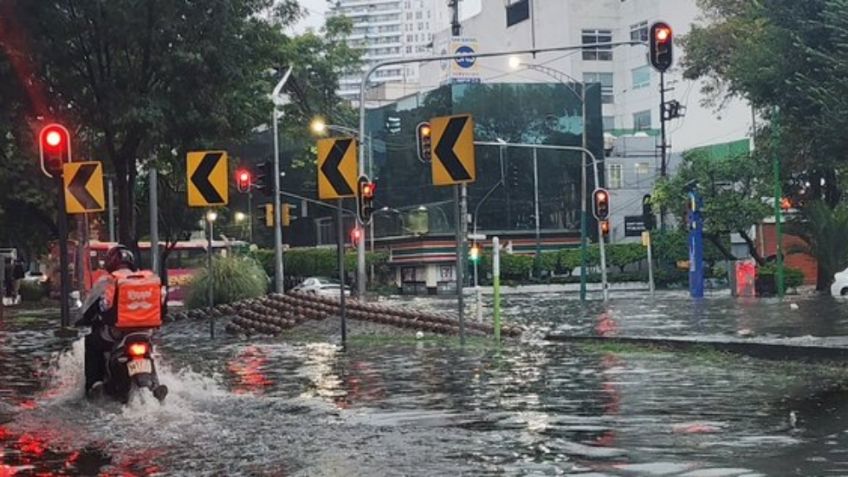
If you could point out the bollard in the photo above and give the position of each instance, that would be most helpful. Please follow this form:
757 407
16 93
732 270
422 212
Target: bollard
496 286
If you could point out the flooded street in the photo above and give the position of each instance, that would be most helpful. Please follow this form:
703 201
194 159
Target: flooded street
400 407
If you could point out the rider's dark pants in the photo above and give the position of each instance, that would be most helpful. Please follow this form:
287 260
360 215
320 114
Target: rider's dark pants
95 363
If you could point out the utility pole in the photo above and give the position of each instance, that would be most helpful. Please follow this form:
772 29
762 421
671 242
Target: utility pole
456 28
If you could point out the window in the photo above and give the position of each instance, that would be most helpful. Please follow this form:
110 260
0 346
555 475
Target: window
605 79
615 176
409 49
517 11
409 38
609 123
643 170
420 26
642 120
639 31
419 15
409 15
641 77
597 53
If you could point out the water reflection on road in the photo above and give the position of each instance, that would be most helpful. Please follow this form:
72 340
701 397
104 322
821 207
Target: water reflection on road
268 407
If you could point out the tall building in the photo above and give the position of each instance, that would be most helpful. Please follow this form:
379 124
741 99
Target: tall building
387 30
630 87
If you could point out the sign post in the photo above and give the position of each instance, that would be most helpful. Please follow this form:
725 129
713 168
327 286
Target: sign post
208 186
646 242
337 179
696 246
453 163
496 286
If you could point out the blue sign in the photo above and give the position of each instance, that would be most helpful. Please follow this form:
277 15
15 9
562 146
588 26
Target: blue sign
465 61
696 246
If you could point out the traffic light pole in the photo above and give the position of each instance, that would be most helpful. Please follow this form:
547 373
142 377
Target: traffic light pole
664 144
64 309
460 195
340 257
278 227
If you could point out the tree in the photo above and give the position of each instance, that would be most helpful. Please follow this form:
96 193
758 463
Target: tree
782 55
823 230
623 254
732 192
138 78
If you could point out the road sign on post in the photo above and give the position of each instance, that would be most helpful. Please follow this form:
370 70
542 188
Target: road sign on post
207 176
453 160
337 168
84 187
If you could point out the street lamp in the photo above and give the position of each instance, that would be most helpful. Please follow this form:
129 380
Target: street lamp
278 226
515 63
240 216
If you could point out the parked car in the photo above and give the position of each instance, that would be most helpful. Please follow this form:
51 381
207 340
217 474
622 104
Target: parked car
840 284
321 286
35 277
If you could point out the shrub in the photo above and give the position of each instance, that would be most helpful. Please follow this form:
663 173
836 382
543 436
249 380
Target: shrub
792 277
32 291
233 279
516 267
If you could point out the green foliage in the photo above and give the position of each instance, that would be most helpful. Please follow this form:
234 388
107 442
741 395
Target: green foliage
792 277
623 254
232 278
824 230
787 56
320 262
516 267
32 291
731 188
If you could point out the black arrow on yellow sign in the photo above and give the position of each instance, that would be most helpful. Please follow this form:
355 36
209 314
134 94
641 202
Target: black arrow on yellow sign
330 168
201 181
445 152
78 187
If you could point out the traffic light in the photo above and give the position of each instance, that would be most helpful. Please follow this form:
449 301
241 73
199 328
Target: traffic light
243 180
605 228
474 254
365 199
265 178
355 235
601 204
661 46
424 133
269 215
286 215
647 212
54 147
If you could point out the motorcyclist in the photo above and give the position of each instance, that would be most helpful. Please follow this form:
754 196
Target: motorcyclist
101 317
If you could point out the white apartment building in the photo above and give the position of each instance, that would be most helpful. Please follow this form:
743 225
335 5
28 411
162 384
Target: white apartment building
386 30
630 86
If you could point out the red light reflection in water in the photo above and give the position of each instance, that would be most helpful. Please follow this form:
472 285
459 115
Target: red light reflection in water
247 367
611 396
606 325
363 384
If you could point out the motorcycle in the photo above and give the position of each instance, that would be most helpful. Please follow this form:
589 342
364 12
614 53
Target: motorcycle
129 362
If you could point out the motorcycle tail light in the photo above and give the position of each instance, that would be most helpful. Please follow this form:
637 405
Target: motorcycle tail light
138 350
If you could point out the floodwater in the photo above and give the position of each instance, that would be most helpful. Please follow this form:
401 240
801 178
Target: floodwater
268 407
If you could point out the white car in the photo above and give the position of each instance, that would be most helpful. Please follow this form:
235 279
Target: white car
321 286
35 277
840 284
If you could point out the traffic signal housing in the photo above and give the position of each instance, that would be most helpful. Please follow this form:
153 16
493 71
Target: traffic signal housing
365 199
601 204
605 228
265 178
647 213
243 180
54 148
661 43
424 133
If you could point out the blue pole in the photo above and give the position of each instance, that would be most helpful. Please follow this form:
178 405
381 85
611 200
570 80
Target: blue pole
696 247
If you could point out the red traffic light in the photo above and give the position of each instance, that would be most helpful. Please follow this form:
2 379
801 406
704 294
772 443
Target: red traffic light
661 46
54 145
601 204
355 235
662 34
605 227
368 190
243 180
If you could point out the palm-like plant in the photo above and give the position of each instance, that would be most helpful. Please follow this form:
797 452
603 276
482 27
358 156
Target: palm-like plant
825 234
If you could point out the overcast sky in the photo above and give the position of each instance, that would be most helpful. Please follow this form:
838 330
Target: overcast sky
315 14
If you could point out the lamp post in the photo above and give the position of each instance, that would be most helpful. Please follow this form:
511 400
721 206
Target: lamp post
278 226
211 217
515 63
